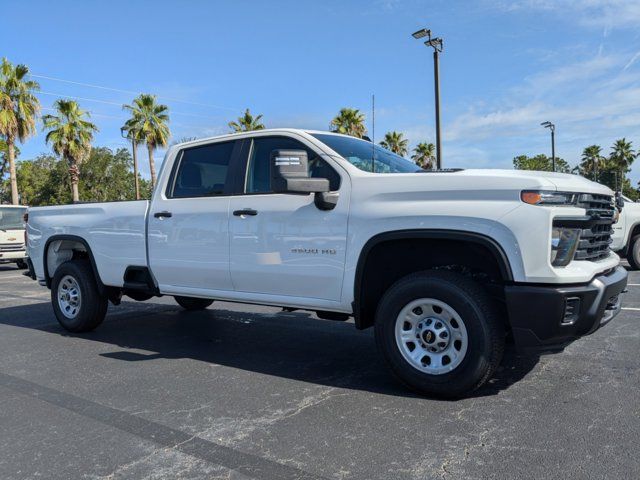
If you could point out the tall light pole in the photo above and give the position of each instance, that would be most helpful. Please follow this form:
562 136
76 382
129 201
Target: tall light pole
436 44
134 147
552 127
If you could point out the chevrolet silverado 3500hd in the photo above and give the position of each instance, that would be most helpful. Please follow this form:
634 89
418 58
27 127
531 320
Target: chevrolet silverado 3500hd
445 265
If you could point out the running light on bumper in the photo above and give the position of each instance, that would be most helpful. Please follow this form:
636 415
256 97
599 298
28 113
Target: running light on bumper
564 242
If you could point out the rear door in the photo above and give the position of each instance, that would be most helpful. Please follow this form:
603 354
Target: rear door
188 231
282 244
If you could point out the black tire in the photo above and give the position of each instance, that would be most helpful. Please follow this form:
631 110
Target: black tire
191 303
21 264
485 332
92 307
633 254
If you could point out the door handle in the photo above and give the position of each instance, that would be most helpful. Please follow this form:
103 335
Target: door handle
162 214
245 211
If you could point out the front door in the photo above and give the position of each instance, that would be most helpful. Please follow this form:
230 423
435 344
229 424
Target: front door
282 244
189 221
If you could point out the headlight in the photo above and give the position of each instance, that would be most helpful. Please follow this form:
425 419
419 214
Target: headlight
564 242
542 197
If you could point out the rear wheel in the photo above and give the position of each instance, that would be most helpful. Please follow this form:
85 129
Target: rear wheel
440 333
633 255
76 299
191 303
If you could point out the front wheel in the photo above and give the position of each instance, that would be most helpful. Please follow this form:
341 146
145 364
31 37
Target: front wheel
633 254
192 303
77 302
440 333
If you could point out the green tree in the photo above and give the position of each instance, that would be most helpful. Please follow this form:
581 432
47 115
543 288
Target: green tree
152 120
540 163
70 134
105 176
18 109
349 121
424 155
4 157
395 142
621 157
247 123
592 161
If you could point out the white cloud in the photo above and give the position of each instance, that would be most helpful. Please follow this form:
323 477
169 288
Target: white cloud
607 14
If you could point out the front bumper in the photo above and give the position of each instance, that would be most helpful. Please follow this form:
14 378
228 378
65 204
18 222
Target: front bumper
12 256
539 315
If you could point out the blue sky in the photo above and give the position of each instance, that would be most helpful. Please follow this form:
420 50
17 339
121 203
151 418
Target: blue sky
507 66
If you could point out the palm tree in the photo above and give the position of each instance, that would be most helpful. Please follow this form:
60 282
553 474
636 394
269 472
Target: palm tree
621 157
134 133
18 109
349 122
70 135
393 141
151 119
247 123
591 159
424 155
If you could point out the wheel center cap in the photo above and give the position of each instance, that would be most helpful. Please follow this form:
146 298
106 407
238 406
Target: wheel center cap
428 336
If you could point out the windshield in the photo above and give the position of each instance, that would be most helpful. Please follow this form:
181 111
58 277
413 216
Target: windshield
11 218
360 152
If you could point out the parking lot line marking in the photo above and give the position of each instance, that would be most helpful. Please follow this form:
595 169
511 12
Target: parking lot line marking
631 308
633 284
12 276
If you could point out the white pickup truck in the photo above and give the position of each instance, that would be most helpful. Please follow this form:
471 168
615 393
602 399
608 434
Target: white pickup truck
626 233
446 265
12 246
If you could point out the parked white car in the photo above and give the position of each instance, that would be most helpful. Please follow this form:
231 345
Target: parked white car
446 265
626 233
12 246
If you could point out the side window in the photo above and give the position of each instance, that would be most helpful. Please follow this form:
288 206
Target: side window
258 178
202 171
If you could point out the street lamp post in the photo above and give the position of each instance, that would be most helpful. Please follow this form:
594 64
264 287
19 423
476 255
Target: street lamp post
124 134
552 127
436 44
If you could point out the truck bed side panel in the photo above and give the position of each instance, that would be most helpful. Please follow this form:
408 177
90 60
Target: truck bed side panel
114 231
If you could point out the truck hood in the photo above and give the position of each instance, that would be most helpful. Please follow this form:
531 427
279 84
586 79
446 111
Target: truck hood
564 182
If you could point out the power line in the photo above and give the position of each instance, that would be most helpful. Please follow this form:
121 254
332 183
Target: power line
131 92
114 103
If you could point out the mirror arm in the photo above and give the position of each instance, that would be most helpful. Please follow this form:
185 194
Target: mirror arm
326 200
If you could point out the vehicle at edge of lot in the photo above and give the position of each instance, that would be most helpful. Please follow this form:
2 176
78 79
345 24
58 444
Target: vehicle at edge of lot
626 233
446 265
12 244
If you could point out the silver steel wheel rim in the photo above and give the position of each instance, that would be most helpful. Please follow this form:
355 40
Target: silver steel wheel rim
431 336
69 296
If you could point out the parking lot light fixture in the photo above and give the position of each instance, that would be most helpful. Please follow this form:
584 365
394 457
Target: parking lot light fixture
437 45
552 127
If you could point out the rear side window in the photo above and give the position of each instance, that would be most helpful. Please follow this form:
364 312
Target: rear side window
258 178
202 171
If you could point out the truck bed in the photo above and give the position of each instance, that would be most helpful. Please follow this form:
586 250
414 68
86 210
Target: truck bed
114 230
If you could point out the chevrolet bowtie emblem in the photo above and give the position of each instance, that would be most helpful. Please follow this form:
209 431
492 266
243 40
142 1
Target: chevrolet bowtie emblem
12 239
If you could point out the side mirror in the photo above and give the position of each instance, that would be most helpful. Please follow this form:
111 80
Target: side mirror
290 173
619 201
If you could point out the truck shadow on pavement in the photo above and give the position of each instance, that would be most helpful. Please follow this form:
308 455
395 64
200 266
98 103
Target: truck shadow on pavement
293 345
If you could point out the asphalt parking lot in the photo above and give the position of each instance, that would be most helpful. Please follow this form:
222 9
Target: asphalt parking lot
240 392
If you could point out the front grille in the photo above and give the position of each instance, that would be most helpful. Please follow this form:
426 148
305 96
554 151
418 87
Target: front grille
11 247
595 241
597 206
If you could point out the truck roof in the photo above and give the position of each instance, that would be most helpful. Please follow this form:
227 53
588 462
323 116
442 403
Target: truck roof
253 132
